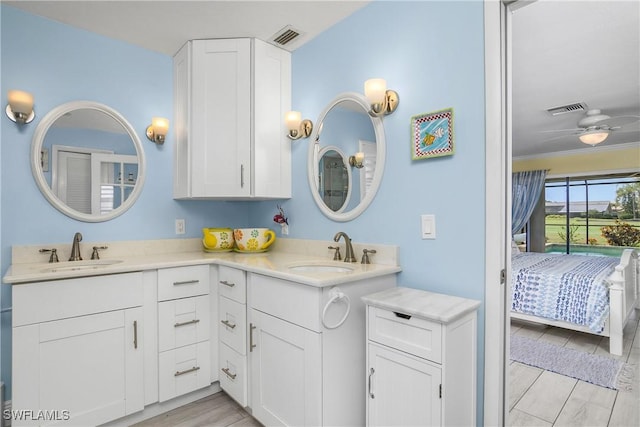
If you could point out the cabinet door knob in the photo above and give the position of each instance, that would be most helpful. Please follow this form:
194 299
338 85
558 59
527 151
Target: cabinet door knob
186 282
371 372
224 282
135 334
178 373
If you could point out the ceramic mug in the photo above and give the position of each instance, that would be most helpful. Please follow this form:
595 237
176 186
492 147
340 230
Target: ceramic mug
253 239
217 239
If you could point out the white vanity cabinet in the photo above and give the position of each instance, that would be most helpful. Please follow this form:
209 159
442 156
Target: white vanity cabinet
230 97
78 349
421 359
232 332
301 372
184 346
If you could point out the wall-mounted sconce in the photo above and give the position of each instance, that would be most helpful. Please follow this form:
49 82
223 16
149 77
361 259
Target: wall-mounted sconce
20 107
357 160
158 129
297 127
383 101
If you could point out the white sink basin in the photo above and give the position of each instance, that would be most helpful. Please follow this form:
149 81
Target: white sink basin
80 265
321 268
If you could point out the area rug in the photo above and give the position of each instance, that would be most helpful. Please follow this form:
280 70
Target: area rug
598 370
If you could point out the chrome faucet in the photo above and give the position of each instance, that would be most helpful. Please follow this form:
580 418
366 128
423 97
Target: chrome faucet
75 248
348 256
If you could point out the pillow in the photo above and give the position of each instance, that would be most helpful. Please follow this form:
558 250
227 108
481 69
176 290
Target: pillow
515 250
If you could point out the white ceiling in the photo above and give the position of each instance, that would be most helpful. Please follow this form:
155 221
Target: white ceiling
563 51
566 52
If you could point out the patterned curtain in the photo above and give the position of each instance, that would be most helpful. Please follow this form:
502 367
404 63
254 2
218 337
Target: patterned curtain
525 188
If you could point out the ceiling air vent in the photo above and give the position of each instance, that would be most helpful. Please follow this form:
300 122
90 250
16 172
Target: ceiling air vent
285 36
571 108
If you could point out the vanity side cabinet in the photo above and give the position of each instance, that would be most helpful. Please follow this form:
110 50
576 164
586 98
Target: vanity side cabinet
230 97
232 333
421 358
184 348
94 341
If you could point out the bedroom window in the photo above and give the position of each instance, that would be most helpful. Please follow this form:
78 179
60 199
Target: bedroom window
592 215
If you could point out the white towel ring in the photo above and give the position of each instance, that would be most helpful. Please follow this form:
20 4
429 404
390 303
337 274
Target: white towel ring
336 295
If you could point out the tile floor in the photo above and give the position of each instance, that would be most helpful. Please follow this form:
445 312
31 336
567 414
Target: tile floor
542 398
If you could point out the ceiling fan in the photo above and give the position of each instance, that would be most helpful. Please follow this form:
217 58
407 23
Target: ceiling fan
595 127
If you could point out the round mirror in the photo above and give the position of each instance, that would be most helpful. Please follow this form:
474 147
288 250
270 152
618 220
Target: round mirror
346 135
87 161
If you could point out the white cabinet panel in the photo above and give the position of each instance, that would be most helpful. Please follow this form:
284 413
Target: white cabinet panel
233 374
182 282
403 390
230 97
183 370
286 372
55 363
233 324
183 322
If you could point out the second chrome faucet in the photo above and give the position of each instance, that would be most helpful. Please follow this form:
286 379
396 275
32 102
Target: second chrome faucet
75 248
348 251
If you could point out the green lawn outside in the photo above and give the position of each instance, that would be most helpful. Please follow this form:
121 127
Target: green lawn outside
557 223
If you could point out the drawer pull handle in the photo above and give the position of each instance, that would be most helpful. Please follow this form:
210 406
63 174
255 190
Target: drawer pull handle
404 316
178 373
135 334
229 374
186 282
251 344
371 372
228 324
224 282
190 322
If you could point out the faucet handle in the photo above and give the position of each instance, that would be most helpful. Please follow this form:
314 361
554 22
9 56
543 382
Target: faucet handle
336 255
54 254
95 254
365 255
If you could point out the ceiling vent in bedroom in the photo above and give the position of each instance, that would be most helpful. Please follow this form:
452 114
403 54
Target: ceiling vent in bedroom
571 108
285 37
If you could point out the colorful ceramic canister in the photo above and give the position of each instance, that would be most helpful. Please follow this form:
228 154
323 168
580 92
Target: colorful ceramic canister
217 239
253 239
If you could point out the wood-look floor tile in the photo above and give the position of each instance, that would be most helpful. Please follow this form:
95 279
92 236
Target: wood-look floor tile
547 396
521 377
522 419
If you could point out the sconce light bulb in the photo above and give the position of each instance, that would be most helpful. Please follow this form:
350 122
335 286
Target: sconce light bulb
158 129
374 90
383 101
20 106
293 119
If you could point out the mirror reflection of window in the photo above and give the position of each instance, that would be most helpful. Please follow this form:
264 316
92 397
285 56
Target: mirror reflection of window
369 166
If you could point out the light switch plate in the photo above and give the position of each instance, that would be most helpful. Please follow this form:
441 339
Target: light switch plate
428 226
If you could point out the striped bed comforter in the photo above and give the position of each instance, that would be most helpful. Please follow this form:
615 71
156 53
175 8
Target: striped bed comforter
571 288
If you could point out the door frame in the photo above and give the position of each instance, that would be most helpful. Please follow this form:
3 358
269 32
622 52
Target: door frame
497 42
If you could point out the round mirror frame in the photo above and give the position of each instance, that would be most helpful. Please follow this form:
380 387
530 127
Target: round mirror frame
312 159
38 174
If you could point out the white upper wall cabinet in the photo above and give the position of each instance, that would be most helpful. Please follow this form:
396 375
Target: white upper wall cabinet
230 97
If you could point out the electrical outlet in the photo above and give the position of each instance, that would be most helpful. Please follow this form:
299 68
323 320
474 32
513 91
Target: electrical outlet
180 226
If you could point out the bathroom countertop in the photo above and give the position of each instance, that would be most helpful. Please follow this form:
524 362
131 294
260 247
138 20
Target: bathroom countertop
274 263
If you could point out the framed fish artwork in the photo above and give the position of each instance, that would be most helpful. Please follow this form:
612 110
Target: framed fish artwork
432 134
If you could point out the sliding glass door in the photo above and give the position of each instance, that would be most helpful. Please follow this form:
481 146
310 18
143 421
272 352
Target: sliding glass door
592 215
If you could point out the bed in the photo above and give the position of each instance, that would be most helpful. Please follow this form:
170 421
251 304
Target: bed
594 294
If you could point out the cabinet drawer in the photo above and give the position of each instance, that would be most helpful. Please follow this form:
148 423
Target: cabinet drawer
414 335
233 284
233 324
233 374
183 322
290 301
183 370
181 282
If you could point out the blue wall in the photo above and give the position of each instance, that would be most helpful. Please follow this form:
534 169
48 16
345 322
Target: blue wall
431 53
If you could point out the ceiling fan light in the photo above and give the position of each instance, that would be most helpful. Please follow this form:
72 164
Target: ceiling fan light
594 137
